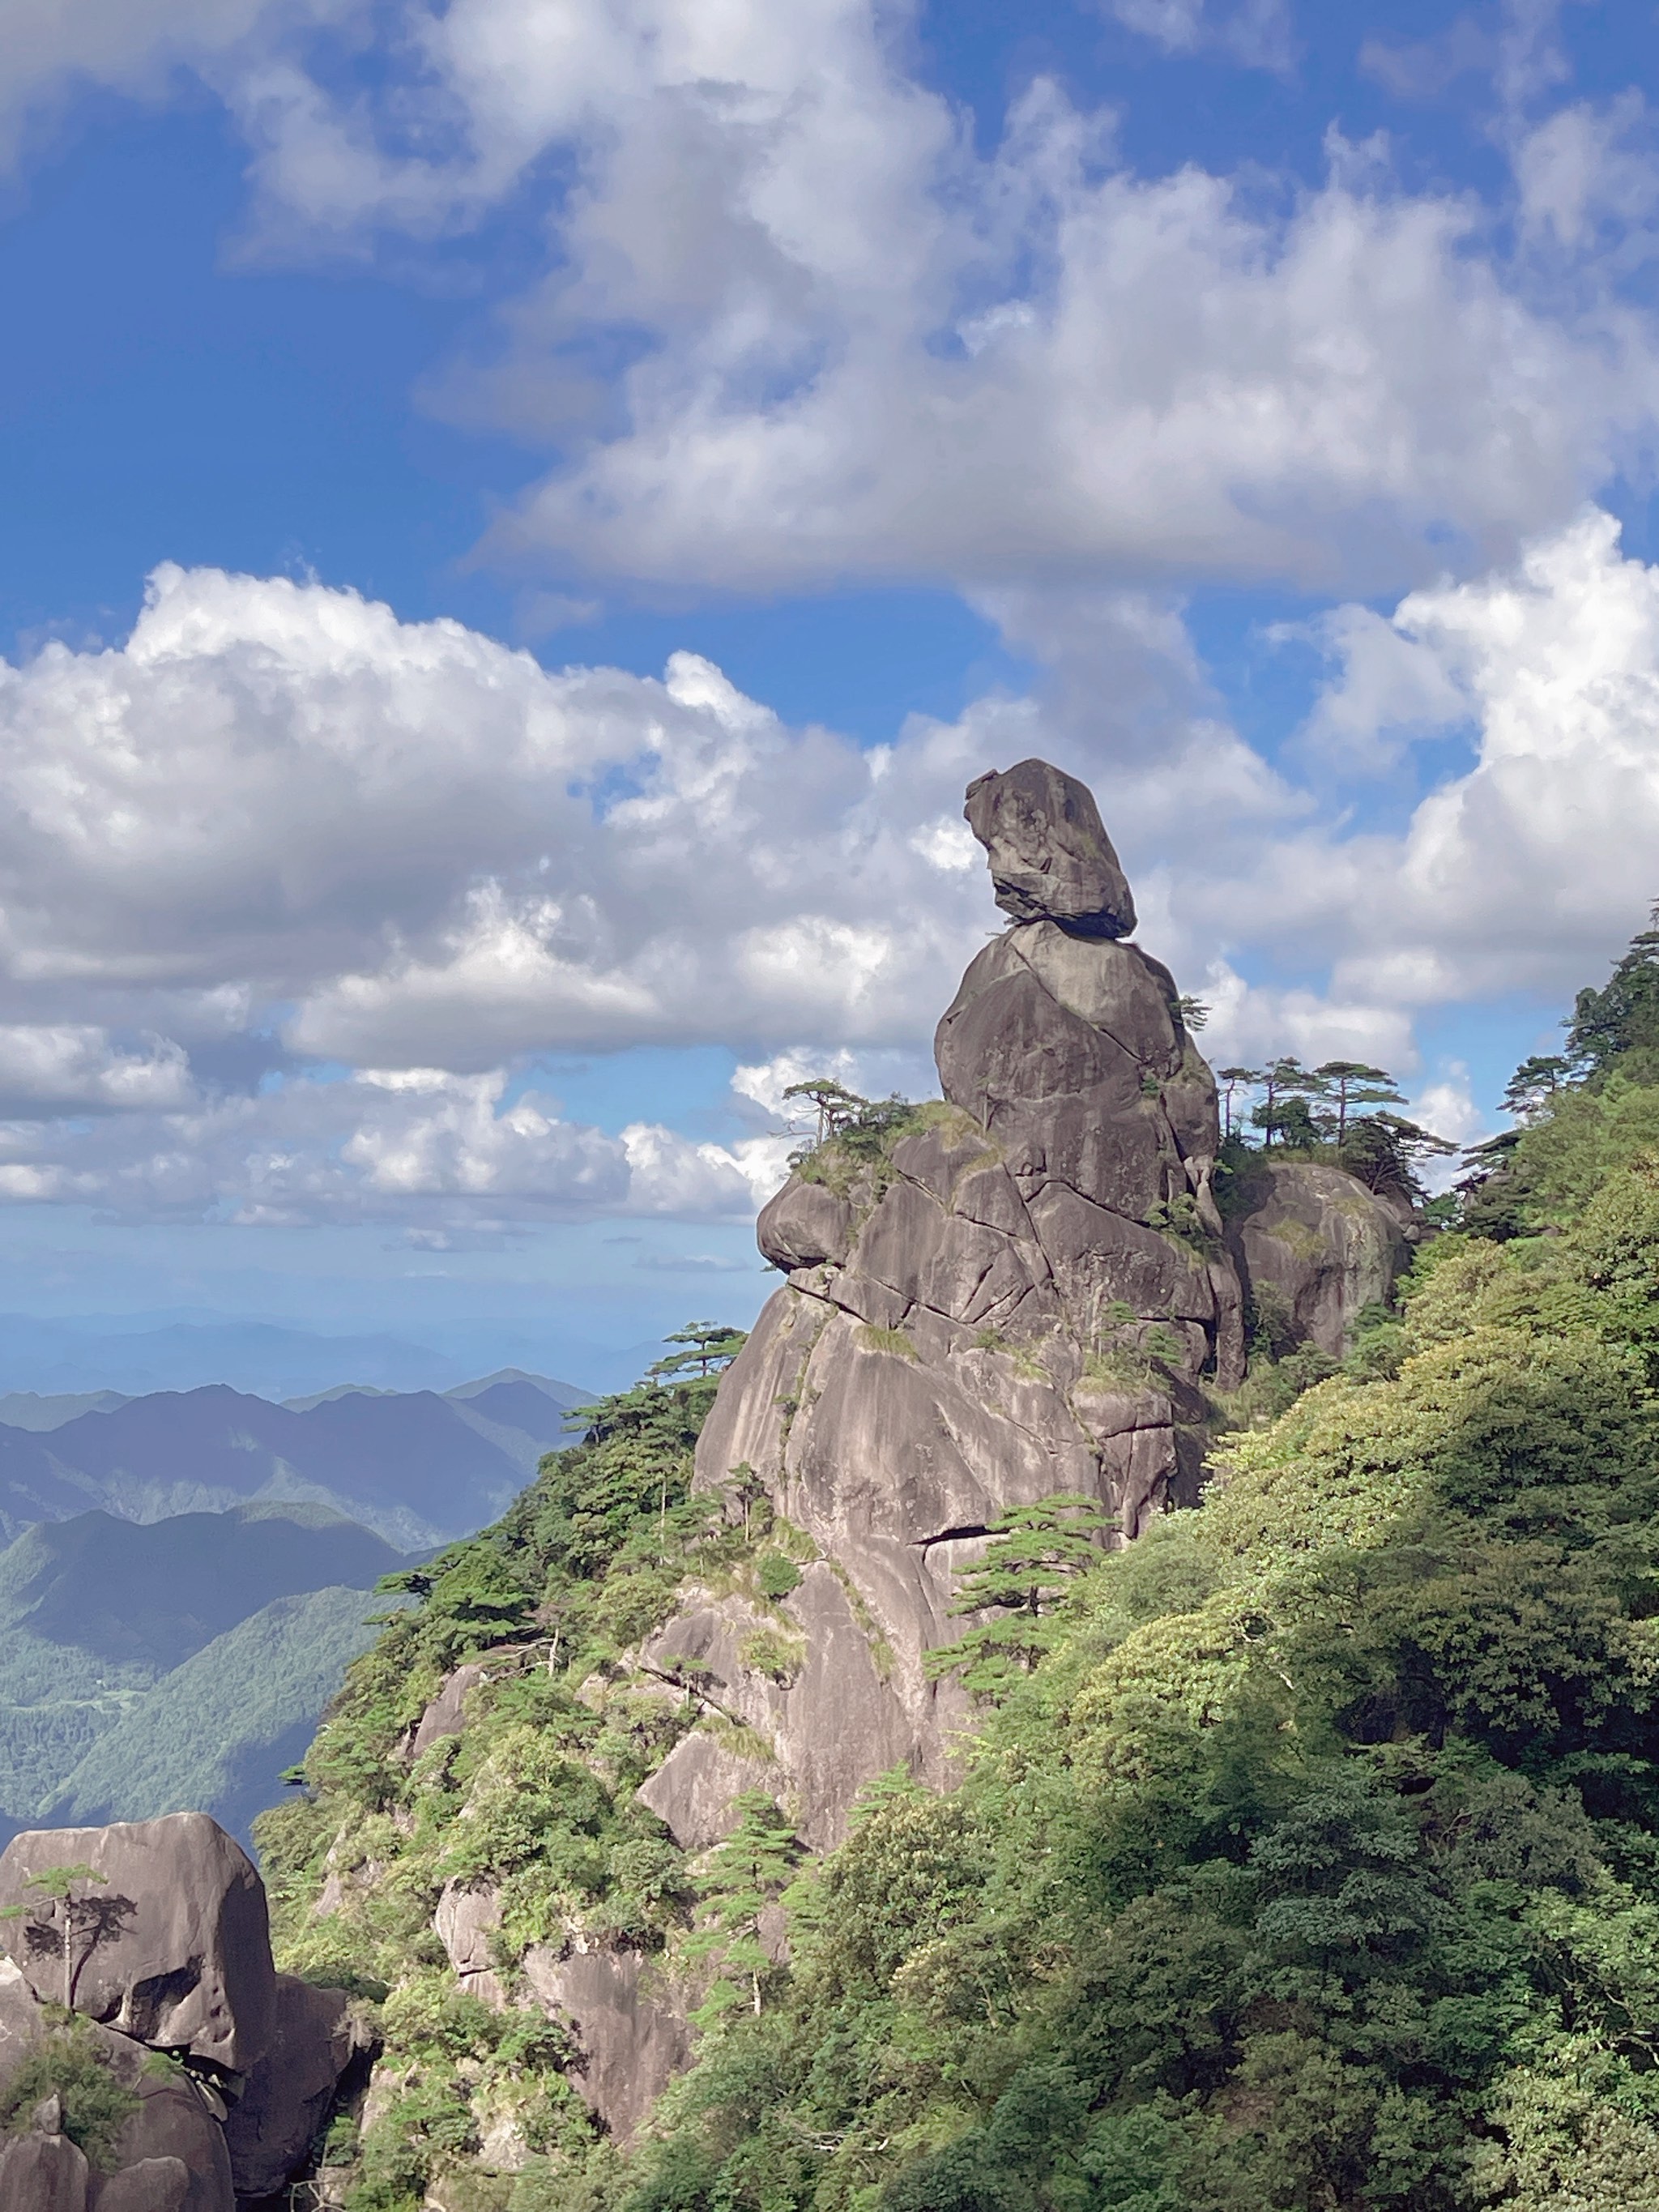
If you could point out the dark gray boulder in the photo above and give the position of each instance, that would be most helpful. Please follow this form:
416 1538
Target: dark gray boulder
43 2173
155 2185
175 1952
270 2128
1313 1248
1051 859
805 1225
171 2155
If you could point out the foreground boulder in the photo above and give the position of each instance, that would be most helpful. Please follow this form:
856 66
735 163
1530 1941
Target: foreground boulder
172 1947
169 1959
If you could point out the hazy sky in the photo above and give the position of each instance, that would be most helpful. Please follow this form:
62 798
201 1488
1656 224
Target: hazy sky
521 517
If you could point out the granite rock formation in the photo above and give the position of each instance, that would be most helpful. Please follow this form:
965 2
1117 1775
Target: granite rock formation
1050 857
627 2025
169 1955
184 1963
270 2129
1020 1300
1313 1248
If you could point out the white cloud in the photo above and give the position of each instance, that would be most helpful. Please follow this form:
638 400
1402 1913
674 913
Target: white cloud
1523 873
1191 385
428 861
1448 1107
278 792
860 347
1255 32
1250 1024
71 1067
53 49
448 1157
1585 172
1393 688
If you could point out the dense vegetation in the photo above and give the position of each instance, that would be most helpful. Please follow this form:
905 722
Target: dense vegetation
1308 1861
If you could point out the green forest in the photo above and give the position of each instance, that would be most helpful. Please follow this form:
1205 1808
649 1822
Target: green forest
1307 1855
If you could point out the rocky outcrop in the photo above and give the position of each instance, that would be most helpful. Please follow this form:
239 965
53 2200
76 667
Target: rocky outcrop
1021 1301
767 1675
169 1956
447 1714
468 1915
1313 1248
631 2038
628 2028
315 2036
174 1944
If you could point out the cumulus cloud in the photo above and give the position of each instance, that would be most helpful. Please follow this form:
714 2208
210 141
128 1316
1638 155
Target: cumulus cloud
1524 872
295 896
859 346
1185 382
437 853
448 1157
72 1067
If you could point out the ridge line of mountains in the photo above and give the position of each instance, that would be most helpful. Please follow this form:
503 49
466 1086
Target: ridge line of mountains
417 1466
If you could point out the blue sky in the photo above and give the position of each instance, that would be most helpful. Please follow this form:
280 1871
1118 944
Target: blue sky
782 416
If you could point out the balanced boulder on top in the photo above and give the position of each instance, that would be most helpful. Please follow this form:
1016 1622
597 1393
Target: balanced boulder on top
1051 860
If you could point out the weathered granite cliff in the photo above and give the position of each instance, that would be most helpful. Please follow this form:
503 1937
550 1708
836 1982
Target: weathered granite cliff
1023 1289
1017 1301
1313 1248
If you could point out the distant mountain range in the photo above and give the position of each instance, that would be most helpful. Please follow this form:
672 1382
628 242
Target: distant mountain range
148 1669
134 1355
417 1466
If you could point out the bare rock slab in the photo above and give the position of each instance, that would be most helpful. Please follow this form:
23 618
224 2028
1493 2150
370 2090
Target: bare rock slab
43 2173
632 2037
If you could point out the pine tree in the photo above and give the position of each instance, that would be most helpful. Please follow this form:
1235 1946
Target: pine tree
1232 1077
747 1874
1534 1082
707 1349
1284 1111
1035 1554
1353 1083
82 1916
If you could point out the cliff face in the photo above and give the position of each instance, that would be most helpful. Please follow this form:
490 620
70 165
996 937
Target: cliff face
1017 1301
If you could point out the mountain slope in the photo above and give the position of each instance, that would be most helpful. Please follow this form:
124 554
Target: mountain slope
1302 1855
180 1657
148 1595
216 1733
